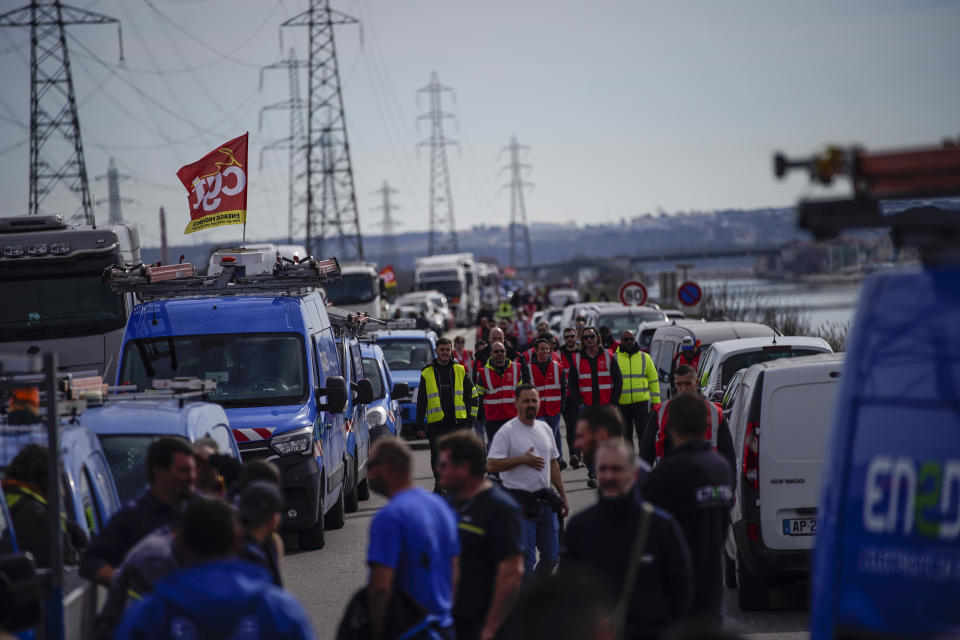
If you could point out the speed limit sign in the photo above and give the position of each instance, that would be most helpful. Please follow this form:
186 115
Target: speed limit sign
633 292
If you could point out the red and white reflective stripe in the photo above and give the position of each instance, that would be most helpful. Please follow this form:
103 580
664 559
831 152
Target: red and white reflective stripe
254 434
317 448
349 425
604 378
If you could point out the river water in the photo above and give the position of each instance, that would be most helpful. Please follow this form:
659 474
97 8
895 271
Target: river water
819 304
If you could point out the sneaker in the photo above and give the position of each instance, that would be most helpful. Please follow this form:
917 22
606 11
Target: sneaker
575 461
562 463
592 483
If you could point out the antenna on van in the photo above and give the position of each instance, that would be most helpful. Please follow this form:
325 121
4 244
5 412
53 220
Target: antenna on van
774 335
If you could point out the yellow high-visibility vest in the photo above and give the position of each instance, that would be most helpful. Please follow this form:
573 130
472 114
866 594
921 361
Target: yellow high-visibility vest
434 408
640 381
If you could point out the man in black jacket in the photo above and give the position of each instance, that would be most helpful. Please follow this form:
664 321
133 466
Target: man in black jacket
695 484
602 537
449 409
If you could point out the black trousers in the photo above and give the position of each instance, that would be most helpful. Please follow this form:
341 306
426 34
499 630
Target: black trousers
634 420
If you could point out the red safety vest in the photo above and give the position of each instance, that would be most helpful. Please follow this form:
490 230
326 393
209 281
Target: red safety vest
604 378
548 386
500 392
716 417
523 330
465 359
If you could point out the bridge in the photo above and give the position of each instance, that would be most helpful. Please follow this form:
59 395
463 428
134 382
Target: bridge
670 255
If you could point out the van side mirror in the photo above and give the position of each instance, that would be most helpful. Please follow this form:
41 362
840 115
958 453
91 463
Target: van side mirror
336 394
401 391
21 600
364 389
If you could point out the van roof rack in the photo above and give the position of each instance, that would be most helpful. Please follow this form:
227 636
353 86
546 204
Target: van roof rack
345 321
156 282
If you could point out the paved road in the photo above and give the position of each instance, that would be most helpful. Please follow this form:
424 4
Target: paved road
325 580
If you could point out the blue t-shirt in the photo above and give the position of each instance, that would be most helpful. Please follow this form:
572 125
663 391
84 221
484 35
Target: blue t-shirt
415 534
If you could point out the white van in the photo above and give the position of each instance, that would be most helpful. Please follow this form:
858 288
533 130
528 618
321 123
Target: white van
780 425
723 359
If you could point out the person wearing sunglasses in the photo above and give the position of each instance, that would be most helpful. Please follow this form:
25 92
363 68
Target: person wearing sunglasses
499 380
595 380
567 353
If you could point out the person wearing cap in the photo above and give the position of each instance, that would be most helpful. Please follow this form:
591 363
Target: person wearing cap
260 506
688 354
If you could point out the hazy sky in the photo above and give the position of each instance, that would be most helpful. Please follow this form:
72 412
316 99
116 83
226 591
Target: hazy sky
627 106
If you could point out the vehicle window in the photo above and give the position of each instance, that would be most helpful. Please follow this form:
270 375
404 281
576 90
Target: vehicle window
342 359
357 361
223 438
91 511
645 338
6 533
730 396
371 370
252 369
101 479
127 457
57 306
706 364
666 355
620 322
743 360
655 348
450 288
326 354
353 288
407 354
66 493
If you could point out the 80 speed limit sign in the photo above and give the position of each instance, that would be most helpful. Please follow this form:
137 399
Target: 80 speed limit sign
633 293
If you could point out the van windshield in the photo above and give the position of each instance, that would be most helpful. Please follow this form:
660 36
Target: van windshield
449 288
743 360
353 288
620 322
251 369
58 306
406 354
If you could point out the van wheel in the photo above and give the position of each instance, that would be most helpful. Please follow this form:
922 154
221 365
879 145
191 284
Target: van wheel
313 538
351 502
336 517
729 571
363 489
753 593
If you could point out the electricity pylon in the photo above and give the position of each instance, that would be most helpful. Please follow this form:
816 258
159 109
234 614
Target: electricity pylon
518 207
388 244
56 149
296 142
113 199
328 165
443 228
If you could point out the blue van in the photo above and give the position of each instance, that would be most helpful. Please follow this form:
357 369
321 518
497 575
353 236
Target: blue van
358 432
887 558
268 342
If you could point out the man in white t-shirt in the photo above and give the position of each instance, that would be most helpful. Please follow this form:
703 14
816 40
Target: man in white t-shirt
520 452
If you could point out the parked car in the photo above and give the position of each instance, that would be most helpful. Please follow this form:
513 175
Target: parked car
723 359
666 341
422 301
620 318
359 395
407 351
384 415
127 426
780 425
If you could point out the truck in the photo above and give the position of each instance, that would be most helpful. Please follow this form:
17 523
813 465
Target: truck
55 298
455 276
360 290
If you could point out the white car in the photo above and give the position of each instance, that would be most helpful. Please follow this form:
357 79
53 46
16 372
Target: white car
780 424
723 359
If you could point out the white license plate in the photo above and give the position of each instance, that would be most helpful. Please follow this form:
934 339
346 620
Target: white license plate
800 526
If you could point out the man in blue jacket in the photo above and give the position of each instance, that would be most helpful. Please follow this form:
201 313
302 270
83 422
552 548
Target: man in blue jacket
216 596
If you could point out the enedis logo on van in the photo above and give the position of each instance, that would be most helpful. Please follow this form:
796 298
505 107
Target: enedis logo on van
906 497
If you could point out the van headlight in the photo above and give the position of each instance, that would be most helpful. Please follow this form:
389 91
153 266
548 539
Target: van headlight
299 441
376 417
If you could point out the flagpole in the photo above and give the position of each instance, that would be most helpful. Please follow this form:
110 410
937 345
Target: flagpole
243 241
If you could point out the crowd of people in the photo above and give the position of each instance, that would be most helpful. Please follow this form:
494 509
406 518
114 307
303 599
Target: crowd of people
492 552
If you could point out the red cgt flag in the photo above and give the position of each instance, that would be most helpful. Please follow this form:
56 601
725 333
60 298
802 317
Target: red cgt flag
217 184
388 277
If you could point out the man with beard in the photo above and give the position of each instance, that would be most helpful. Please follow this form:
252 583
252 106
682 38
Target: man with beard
483 355
603 537
525 455
498 381
491 538
413 540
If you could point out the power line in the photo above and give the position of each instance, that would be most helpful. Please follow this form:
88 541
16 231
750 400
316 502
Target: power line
518 208
443 228
53 102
